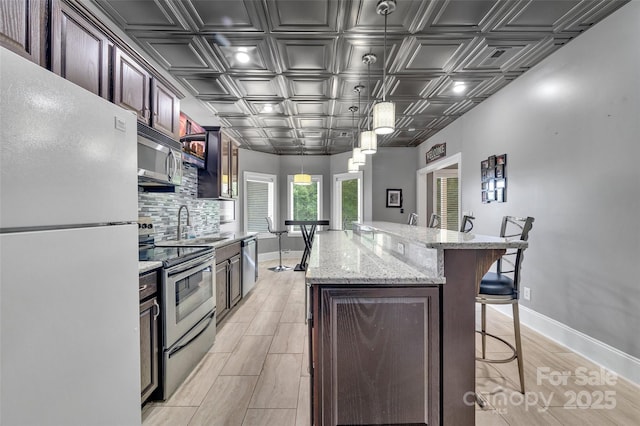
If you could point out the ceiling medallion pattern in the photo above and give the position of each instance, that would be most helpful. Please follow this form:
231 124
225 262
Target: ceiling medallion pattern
280 73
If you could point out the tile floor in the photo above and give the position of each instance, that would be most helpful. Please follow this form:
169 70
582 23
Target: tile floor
256 373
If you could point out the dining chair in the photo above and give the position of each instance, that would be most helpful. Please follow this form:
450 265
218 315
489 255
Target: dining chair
502 287
279 233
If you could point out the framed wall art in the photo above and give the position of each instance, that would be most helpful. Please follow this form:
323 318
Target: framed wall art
493 179
394 198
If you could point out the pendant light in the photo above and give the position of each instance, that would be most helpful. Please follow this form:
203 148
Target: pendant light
368 138
384 113
302 178
357 158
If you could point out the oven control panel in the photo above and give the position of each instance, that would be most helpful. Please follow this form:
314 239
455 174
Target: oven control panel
145 226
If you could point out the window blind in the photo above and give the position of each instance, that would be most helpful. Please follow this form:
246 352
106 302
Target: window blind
257 206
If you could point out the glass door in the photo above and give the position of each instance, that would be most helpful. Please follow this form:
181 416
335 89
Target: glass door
347 200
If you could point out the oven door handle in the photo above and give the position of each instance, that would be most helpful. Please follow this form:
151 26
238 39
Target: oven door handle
178 348
190 264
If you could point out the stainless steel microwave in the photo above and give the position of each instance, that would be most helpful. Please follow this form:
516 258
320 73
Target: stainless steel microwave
159 158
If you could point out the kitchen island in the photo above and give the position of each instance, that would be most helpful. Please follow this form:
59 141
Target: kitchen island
391 323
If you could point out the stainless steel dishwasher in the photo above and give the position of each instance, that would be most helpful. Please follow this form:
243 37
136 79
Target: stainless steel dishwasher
249 264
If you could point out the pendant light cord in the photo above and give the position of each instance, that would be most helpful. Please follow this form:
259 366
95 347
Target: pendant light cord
384 60
368 91
355 133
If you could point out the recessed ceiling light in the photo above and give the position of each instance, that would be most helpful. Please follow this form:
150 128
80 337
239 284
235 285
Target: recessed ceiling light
267 108
459 86
242 56
411 129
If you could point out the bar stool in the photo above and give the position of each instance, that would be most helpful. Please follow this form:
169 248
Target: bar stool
467 223
434 221
502 287
279 233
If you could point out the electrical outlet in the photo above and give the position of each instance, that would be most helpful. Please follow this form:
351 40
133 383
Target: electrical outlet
400 248
527 293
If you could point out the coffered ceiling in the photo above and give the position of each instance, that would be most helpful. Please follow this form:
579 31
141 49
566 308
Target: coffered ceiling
305 58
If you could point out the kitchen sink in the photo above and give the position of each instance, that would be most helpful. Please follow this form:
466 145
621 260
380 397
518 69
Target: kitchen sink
191 242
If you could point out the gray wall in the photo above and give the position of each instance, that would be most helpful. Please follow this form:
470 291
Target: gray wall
569 127
394 168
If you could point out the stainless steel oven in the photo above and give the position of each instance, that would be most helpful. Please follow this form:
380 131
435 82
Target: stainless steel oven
190 290
189 317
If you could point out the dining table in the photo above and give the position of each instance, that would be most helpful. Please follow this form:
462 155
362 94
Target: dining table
308 229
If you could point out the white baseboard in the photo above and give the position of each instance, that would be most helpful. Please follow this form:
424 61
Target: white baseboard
613 359
274 255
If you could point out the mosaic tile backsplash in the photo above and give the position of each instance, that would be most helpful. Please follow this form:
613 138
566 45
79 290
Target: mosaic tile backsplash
163 207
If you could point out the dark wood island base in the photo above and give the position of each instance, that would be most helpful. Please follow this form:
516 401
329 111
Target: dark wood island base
390 342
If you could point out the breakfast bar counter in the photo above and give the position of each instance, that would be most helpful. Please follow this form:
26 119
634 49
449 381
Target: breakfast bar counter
391 323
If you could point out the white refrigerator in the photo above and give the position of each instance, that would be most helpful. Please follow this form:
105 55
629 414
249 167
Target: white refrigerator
69 308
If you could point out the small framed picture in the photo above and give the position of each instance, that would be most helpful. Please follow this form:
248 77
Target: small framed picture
501 159
491 173
484 197
485 186
394 198
500 195
492 185
500 171
484 164
501 183
492 161
484 174
491 195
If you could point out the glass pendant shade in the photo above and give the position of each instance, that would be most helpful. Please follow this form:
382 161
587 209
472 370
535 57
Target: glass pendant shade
368 142
359 159
384 117
352 168
302 179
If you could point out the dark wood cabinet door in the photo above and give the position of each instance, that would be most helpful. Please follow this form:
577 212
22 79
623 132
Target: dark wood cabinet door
222 282
79 52
378 356
225 159
149 347
234 170
21 25
131 86
235 282
166 110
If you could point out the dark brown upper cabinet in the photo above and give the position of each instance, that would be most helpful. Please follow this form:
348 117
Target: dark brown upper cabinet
131 86
135 89
80 52
22 24
166 110
219 178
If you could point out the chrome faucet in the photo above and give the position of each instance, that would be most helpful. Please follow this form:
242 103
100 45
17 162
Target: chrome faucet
180 222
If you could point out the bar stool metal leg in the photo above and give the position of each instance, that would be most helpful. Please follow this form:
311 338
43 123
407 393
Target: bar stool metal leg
280 267
516 327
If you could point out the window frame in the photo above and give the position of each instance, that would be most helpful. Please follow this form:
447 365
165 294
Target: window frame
314 178
265 178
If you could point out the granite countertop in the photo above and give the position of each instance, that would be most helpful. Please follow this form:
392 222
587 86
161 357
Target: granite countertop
441 238
340 257
148 266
